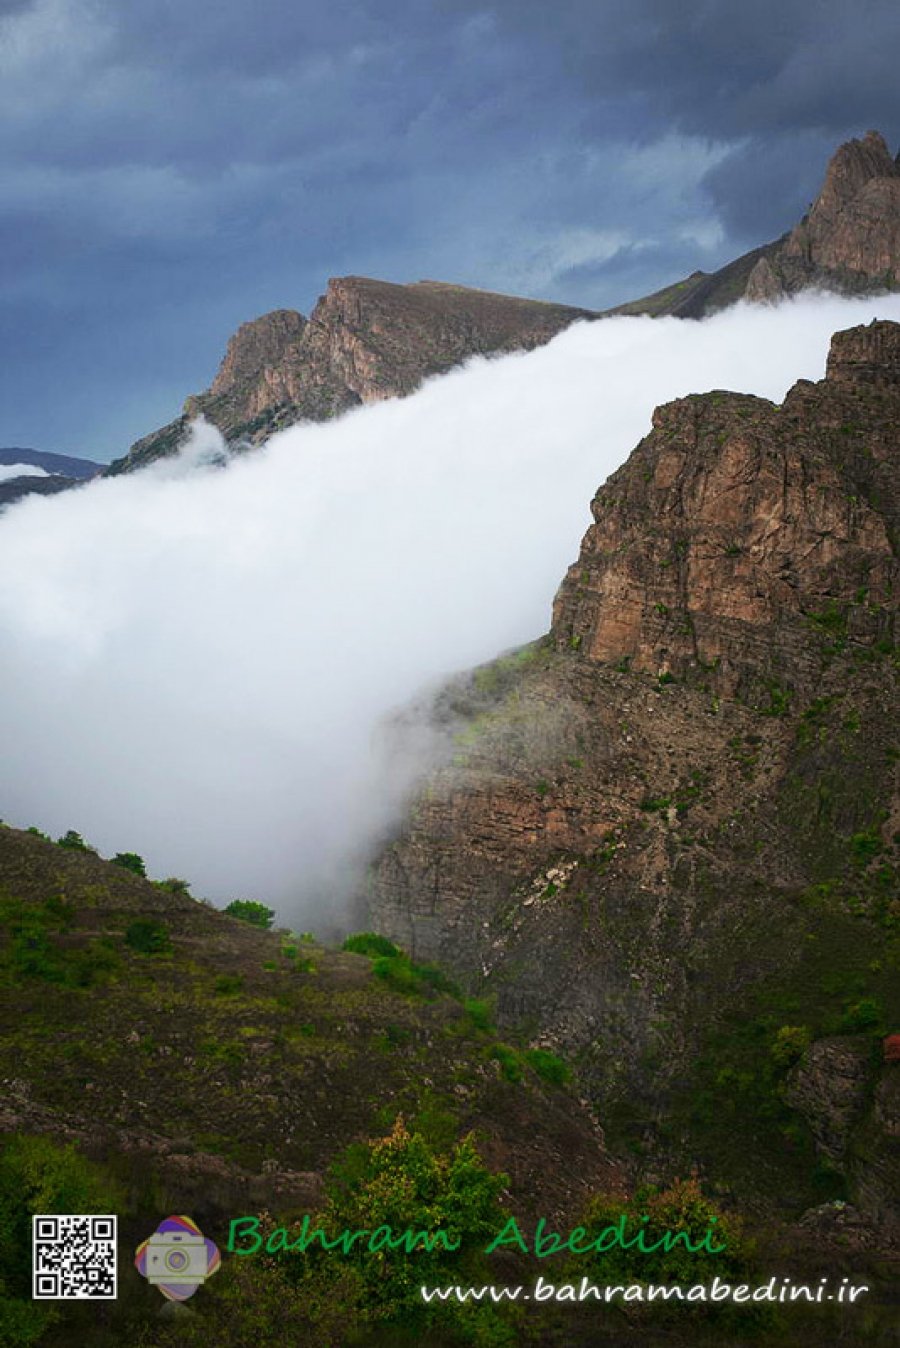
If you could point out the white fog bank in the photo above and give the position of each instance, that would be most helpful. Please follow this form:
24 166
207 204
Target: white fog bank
195 659
11 470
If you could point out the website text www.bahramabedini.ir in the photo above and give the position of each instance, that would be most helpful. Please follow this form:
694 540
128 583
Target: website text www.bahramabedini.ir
777 1289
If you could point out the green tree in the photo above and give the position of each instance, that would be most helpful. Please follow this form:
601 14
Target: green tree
75 843
148 937
37 1175
681 1207
402 1182
247 910
130 861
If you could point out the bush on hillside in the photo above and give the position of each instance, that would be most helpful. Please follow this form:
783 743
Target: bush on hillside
247 910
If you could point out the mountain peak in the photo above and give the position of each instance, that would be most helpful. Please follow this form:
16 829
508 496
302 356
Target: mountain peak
366 340
850 241
851 167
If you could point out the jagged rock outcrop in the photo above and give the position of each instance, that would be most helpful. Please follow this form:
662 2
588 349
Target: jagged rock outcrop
365 341
737 528
671 830
849 243
853 230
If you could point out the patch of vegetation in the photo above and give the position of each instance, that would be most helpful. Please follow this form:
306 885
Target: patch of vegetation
228 985
130 861
789 1044
413 980
864 1015
172 885
37 1175
779 700
37 947
248 910
681 1206
148 936
371 944
74 842
510 1061
480 1013
548 1066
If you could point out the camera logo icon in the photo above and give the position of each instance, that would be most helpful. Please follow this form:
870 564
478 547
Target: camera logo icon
177 1258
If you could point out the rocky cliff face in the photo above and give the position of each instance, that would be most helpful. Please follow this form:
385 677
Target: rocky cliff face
737 528
669 834
365 341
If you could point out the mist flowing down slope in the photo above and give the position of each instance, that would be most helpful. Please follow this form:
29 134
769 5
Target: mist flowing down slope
195 660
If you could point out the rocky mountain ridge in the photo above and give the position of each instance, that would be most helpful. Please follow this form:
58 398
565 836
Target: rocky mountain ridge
668 840
367 340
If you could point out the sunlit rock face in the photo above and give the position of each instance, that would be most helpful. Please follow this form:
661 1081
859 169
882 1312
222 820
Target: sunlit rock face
736 525
679 810
365 341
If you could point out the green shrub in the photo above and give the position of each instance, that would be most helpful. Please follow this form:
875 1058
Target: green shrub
865 846
680 1207
174 886
75 843
33 955
509 1060
403 1182
414 980
247 910
228 985
370 943
548 1066
862 1015
130 861
479 1012
790 1043
148 937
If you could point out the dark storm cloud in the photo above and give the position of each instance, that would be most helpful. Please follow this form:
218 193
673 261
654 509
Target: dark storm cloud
719 67
169 171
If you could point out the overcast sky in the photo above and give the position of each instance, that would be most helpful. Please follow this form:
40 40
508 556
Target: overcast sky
170 170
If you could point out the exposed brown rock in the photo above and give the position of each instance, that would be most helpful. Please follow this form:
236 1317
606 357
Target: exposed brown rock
738 527
849 243
829 1087
854 224
665 819
365 341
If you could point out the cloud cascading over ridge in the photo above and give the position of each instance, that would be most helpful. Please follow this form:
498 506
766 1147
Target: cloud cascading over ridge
196 660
